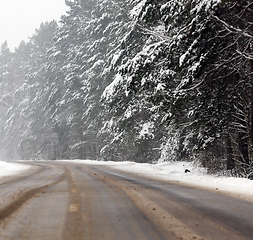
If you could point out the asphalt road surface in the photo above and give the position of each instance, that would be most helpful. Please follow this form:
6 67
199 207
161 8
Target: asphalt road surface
62 200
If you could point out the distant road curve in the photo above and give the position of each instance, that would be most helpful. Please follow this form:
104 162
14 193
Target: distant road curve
65 200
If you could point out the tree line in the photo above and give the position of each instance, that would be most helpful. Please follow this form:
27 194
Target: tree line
142 80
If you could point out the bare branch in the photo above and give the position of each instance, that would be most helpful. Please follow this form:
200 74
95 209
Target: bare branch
245 55
231 28
246 8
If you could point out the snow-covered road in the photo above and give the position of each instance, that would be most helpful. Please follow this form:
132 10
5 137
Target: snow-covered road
169 171
175 172
90 200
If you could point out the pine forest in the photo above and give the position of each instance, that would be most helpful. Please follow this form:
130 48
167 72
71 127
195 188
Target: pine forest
140 80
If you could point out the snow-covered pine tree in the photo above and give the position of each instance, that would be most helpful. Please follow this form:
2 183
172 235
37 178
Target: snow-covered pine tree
38 136
84 46
159 75
231 74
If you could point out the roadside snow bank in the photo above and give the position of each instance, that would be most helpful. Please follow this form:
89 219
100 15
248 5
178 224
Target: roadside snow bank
175 172
8 169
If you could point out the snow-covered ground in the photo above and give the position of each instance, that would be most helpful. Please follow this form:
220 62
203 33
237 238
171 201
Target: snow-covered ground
170 171
175 172
8 169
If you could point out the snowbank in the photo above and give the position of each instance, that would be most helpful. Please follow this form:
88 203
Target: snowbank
8 169
197 177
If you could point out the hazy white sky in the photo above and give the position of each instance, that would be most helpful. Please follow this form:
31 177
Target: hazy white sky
20 18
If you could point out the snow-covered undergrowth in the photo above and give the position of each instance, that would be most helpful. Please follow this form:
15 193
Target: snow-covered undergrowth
8 169
175 172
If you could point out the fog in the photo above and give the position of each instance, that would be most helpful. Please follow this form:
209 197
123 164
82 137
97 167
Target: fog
19 19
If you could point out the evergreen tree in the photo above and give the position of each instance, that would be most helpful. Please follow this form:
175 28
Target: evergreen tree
160 73
140 80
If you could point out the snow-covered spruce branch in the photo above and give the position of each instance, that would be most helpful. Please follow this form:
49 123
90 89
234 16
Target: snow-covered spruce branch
239 126
162 36
177 90
235 129
154 33
240 118
232 28
240 112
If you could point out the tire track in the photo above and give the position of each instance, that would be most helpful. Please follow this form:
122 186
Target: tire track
165 211
26 194
111 213
18 179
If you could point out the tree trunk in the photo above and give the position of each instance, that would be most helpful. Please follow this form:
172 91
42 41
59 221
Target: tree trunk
250 144
230 160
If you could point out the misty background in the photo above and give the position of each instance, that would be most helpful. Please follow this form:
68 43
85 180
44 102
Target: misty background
19 19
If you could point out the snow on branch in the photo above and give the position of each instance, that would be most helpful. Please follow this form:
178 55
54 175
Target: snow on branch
232 28
245 55
154 33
